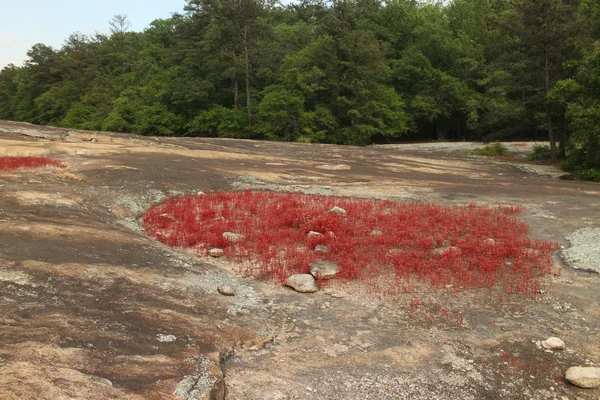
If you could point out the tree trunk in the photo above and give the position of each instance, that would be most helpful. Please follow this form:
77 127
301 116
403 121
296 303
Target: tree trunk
549 107
562 149
234 80
235 90
247 73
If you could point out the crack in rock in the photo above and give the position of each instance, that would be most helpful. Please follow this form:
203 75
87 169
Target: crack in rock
199 385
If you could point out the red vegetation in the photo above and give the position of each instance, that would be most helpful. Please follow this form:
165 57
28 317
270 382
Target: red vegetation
542 367
16 163
406 243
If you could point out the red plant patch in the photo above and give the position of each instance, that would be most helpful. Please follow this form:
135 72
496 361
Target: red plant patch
16 163
406 243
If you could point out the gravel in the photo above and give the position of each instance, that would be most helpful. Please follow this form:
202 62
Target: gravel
584 252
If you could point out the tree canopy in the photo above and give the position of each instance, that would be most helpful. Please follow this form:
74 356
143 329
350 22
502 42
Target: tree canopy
334 71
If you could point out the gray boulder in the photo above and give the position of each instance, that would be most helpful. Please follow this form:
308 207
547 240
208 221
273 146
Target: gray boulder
584 377
324 269
303 283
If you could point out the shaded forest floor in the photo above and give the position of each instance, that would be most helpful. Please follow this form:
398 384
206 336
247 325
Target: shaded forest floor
93 308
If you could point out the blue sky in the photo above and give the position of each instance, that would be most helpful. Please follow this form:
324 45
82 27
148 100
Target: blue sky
24 23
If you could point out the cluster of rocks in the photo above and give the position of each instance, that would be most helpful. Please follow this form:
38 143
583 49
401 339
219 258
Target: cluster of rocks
583 377
303 283
306 283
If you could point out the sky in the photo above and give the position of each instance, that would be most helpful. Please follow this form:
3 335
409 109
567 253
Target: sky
24 23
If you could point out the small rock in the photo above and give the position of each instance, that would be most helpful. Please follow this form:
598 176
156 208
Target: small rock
338 210
335 295
321 249
553 343
303 283
444 250
584 377
489 242
233 237
226 290
324 269
376 232
314 234
165 338
216 253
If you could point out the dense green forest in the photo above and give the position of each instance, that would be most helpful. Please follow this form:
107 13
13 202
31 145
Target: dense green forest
335 71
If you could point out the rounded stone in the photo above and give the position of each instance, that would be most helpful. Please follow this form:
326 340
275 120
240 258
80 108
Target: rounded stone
303 283
321 249
584 377
338 210
233 237
216 253
226 290
553 343
324 269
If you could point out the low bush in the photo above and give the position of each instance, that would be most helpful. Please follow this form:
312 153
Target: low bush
406 243
541 152
491 150
583 163
591 174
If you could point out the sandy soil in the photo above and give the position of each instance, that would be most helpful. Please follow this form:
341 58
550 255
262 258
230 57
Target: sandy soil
93 308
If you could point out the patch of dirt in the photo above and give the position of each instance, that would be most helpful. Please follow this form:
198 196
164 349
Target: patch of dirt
93 308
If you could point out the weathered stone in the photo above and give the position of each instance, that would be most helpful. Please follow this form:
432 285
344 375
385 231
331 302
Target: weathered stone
338 210
321 249
553 343
489 242
226 290
216 253
314 234
376 232
166 338
303 283
335 294
584 377
324 269
583 253
233 237
443 250
334 167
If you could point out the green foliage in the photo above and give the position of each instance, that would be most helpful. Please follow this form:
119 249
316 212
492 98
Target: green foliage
491 150
122 117
349 72
221 122
541 152
590 174
82 115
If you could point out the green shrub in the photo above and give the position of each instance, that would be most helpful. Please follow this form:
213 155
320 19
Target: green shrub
540 152
491 150
220 122
581 159
592 174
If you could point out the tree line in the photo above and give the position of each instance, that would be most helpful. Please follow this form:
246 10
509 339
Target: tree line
334 71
